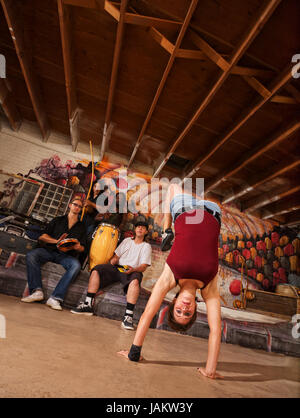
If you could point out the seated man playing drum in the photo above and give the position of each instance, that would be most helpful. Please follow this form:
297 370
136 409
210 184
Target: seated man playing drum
130 260
63 240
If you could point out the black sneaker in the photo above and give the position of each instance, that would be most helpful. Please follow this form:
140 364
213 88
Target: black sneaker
127 322
83 309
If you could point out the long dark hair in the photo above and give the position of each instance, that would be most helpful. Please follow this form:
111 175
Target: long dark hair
175 325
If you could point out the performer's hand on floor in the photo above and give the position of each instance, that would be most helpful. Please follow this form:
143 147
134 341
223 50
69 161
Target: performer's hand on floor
214 375
124 353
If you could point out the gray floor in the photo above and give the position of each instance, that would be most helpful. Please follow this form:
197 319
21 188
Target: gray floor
57 354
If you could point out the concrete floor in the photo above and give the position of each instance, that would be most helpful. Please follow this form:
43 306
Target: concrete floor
57 354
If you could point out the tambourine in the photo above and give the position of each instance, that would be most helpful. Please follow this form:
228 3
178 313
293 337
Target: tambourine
66 244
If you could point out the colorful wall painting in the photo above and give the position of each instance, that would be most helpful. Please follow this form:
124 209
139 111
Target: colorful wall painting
268 254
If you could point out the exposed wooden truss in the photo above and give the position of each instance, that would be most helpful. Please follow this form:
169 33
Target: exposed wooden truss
263 147
9 107
66 41
256 183
113 80
15 28
270 198
163 80
249 36
269 82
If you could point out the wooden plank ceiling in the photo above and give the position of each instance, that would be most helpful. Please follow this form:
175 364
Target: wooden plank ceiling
191 88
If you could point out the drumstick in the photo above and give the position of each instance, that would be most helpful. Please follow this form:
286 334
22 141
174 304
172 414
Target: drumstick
92 178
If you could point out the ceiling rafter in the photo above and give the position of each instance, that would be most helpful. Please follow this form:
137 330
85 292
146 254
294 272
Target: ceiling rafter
288 209
70 83
163 80
254 184
255 153
268 198
248 38
16 31
90 4
292 218
107 130
9 107
164 42
279 81
138 19
246 73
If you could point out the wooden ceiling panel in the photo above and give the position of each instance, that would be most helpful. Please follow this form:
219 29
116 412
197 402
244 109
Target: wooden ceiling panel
281 34
54 98
155 113
210 12
137 75
186 86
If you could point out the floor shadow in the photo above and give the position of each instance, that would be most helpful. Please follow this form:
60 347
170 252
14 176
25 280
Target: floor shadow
247 372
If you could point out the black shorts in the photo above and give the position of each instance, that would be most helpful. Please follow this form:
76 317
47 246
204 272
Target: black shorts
109 274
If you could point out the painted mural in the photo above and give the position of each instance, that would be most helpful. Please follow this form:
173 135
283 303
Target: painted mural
255 253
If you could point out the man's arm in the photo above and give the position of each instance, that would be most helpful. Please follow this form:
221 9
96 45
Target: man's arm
114 260
49 240
213 306
140 268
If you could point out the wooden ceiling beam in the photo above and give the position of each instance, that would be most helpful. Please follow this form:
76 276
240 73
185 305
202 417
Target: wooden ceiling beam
265 93
163 80
162 40
293 91
16 30
278 98
89 4
255 153
137 19
292 219
248 38
288 209
254 184
9 107
268 198
112 10
280 81
246 72
114 75
70 83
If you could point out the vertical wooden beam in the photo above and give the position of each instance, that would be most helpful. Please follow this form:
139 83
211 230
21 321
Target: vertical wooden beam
114 75
250 35
64 13
9 107
163 80
16 30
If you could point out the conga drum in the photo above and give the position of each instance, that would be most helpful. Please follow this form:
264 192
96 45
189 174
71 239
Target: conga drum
105 240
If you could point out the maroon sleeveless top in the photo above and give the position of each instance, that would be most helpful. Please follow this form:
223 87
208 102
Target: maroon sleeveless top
194 253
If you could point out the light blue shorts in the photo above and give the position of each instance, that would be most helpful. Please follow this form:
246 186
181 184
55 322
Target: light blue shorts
188 201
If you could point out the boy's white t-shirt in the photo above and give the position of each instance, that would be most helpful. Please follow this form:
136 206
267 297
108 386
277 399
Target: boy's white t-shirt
132 254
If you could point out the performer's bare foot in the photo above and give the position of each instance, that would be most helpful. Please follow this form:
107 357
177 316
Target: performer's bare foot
210 376
124 353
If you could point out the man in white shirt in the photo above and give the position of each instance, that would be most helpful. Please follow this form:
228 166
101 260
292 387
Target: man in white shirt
130 260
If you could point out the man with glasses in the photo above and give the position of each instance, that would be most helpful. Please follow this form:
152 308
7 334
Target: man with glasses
62 227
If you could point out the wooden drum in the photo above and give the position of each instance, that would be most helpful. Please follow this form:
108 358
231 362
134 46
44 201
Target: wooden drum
105 240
